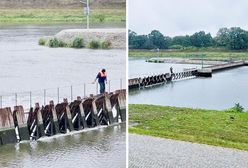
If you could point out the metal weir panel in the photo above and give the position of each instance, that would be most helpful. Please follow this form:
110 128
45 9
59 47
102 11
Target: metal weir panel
51 119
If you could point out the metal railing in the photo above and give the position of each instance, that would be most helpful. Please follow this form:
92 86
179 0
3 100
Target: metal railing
28 98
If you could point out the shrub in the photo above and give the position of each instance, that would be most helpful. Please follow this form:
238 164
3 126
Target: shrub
62 44
101 18
54 43
94 44
238 108
176 47
78 43
42 41
105 44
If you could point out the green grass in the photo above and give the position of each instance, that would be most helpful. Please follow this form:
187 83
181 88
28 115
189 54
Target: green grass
207 54
219 128
46 16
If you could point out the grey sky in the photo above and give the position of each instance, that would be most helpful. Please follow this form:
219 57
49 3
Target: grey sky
181 17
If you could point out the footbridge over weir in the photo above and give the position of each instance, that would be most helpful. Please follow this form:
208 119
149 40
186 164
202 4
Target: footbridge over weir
48 120
141 82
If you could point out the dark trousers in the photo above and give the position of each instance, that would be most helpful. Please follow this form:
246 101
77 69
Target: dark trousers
102 87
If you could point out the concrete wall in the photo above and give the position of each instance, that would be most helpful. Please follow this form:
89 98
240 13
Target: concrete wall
58 3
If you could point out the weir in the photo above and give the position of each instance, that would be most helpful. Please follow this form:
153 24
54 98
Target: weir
49 120
148 81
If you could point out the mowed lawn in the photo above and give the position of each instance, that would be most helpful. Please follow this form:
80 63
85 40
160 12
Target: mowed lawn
219 128
46 16
213 54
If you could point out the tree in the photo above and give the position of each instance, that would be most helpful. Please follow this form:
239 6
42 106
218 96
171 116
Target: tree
238 39
223 37
181 40
201 39
158 40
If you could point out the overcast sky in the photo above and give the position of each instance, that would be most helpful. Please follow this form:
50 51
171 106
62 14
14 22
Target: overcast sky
181 17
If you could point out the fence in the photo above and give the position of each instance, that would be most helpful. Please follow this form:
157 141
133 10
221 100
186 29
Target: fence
43 96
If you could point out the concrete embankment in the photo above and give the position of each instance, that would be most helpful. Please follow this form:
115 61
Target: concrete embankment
117 37
186 61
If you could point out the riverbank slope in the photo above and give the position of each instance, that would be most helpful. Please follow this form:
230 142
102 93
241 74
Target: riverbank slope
218 128
223 55
61 15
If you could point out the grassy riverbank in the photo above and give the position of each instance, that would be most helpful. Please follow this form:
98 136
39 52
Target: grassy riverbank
51 16
214 54
219 128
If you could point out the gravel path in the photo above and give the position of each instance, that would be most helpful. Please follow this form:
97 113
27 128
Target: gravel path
145 151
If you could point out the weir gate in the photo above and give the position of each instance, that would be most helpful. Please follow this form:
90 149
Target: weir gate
141 82
51 119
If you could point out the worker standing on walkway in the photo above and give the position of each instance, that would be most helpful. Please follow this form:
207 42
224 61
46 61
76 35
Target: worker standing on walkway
171 70
102 79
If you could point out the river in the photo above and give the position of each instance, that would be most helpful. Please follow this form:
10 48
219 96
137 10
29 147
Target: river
220 92
102 147
35 73
26 66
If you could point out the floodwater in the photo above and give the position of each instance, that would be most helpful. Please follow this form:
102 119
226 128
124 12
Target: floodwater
102 147
221 91
55 73
26 66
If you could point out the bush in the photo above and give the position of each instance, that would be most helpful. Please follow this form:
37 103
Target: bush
62 44
101 18
54 43
78 43
94 44
238 108
105 44
176 47
42 41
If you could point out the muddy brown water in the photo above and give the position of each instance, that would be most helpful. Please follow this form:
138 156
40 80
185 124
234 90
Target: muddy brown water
26 66
100 147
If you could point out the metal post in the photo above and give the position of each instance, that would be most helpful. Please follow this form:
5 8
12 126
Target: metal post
109 86
44 97
84 90
1 101
58 94
71 94
87 11
16 99
88 15
120 83
30 98
96 88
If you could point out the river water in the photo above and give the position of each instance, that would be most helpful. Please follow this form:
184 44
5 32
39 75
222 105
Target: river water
26 66
221 91
103 148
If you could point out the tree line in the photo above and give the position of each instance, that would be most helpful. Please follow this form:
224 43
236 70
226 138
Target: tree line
233 38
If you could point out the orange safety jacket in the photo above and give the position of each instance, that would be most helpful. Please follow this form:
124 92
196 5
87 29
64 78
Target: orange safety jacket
103 74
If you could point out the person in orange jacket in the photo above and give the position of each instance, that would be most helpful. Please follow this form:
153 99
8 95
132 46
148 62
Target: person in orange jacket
102 79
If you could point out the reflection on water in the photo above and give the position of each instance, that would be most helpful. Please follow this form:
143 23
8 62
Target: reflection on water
221 91
103 147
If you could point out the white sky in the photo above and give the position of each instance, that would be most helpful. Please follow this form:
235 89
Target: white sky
181 17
